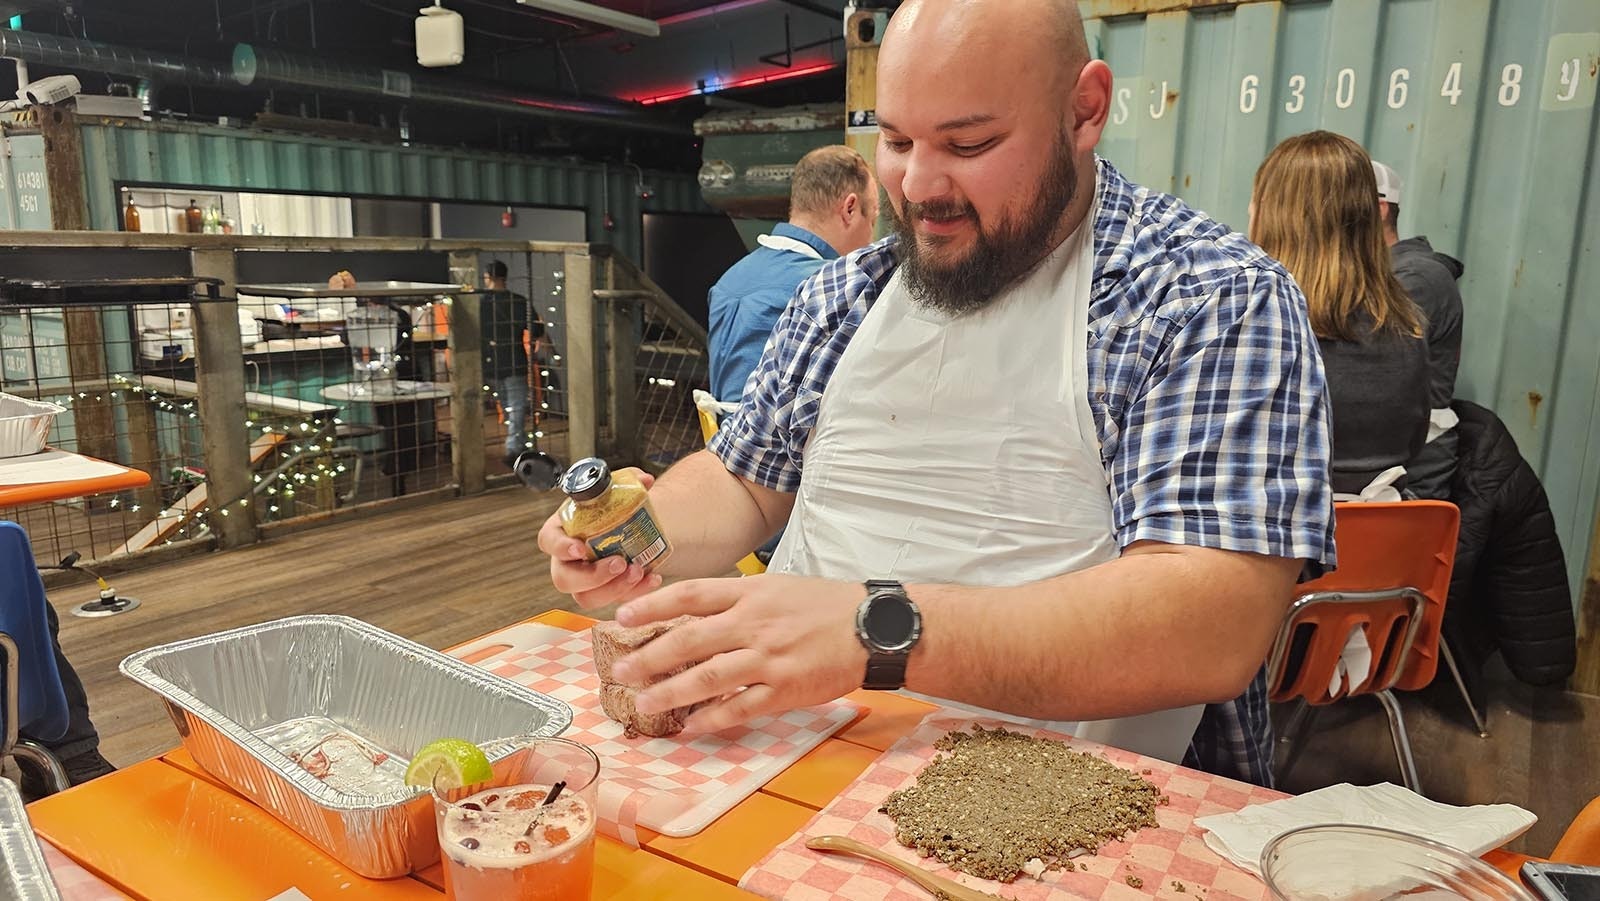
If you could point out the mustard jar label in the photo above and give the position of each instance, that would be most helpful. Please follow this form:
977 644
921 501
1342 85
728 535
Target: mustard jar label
637 539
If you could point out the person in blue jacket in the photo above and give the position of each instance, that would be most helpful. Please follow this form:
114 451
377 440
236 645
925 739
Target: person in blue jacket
833 204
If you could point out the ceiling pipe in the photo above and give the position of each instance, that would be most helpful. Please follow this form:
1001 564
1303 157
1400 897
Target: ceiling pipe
93 56
261 67
258 67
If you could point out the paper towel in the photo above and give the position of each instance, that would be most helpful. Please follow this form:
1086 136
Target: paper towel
1241 836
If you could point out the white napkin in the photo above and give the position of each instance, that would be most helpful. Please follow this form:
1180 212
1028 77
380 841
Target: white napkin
1241 836
1380 490
1355 662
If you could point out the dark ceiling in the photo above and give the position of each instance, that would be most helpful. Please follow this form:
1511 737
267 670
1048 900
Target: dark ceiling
508 46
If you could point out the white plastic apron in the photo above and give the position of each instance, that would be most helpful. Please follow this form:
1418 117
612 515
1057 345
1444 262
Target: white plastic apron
964 451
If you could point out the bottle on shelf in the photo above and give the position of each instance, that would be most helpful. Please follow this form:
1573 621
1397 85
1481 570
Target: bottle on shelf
130 216
193 218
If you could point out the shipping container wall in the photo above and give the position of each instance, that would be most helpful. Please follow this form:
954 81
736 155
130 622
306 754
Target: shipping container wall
1486 108
176 154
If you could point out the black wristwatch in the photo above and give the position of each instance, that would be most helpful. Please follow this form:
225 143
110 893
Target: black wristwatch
888 625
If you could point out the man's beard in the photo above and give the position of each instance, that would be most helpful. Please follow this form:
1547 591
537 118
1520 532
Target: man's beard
998 258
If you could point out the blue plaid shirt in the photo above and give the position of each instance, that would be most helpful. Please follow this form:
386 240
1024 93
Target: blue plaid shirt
1205 382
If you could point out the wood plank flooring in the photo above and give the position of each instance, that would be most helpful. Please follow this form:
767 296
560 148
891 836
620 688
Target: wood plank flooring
450 571
438 574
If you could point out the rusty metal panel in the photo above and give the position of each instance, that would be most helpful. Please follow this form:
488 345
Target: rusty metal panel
1487 110
749 155
244 159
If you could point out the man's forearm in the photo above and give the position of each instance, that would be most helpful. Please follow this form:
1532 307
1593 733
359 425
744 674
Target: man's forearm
712 517
1149 631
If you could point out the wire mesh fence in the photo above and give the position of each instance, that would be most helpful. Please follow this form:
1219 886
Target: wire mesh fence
671 363
90 360
345 400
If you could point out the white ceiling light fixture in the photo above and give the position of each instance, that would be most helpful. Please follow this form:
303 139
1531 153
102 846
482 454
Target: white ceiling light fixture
589 12
441 37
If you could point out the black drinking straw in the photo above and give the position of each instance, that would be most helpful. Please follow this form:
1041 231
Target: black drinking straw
555 792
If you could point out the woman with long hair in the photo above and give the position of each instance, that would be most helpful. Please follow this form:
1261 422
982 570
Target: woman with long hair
1315 209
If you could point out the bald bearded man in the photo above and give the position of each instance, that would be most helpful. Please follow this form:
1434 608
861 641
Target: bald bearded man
1058 448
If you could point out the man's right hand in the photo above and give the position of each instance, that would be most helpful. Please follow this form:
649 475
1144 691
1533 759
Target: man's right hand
592 583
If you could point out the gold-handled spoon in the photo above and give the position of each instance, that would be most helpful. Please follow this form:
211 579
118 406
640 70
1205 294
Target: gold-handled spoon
939 886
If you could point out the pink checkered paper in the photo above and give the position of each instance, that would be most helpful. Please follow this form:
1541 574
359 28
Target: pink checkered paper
73 882
1174 852
675 786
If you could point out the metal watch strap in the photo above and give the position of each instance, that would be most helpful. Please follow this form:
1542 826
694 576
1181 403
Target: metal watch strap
885 671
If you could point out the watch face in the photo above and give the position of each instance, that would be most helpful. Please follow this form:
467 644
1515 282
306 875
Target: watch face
890 622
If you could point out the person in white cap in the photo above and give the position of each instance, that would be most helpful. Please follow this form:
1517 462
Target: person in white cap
1430 278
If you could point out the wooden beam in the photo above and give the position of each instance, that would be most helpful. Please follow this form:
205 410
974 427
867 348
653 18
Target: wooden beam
93 420
466 376
622 353
863 33
188 241
254 400
1586 678
582 366
63 167
220 377
146 449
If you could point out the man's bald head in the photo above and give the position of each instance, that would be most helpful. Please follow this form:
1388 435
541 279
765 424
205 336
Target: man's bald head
989 112
1038 31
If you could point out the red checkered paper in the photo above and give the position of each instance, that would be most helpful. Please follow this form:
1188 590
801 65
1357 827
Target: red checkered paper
1163 858
675 786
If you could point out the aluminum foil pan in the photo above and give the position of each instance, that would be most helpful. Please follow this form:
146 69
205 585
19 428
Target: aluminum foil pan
24 876
24 425
315 718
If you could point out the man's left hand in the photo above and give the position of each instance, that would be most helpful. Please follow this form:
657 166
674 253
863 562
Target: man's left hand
765 645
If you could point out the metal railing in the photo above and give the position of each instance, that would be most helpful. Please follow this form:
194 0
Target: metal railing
246 433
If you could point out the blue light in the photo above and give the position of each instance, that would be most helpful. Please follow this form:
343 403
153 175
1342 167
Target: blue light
16 22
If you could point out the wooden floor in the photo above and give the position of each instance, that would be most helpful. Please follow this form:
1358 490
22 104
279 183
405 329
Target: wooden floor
439 575
451 571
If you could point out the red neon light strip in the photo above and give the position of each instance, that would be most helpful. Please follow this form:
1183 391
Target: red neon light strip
740 83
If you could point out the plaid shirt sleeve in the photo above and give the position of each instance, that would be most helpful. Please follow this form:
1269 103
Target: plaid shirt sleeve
1227 443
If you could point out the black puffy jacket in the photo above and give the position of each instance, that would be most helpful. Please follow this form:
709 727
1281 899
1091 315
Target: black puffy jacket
1509 589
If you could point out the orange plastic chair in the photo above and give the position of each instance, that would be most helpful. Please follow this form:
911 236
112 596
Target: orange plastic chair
1393 578
1581 843
707 407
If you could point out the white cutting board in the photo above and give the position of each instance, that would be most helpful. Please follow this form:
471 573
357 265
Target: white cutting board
675 786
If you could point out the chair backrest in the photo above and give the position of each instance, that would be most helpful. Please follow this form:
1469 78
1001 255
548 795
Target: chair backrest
1393 578
710 411
41 708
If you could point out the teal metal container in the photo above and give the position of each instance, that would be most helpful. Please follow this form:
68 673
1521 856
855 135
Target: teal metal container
1487 110
251 160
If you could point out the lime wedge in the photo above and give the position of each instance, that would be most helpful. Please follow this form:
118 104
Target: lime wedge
448 763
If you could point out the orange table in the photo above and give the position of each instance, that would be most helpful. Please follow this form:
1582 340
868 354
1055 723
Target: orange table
38 493
165 828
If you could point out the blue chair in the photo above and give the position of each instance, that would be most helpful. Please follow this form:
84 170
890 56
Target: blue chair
31 696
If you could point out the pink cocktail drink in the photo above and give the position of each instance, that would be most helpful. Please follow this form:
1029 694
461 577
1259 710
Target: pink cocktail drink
502 844
528 833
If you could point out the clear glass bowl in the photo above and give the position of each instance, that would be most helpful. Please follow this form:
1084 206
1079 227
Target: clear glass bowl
1365 863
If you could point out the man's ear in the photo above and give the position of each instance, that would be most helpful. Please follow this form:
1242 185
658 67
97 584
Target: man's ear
848 209
1091 105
